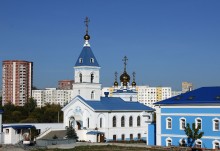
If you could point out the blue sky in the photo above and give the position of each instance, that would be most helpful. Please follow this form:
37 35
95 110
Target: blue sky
166 41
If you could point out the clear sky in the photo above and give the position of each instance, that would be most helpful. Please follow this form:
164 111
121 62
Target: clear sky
166 41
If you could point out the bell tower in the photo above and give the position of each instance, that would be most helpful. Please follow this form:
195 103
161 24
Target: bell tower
86 72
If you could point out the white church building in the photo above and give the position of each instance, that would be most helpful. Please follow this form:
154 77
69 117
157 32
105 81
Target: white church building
99 119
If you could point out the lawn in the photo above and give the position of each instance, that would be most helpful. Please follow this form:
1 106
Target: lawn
101 148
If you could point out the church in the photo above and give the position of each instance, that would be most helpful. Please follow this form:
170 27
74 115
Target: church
100 119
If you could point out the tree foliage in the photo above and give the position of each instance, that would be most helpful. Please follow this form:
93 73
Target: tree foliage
193 133
71 133
30 113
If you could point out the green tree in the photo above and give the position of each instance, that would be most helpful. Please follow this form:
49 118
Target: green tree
193 133
30 105
71 133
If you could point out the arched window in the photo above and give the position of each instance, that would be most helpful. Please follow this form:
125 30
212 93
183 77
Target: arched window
92 77
216 144
100 122
198 144
80 77
168 142
199 123
92 60
92 95
169 123
80 60
215 124
88 122
114 121
139 136
130 121
182 123
122 121
138 121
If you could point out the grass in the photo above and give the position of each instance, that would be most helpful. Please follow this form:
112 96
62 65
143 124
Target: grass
100 148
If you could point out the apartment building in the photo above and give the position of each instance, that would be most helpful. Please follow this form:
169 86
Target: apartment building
17 80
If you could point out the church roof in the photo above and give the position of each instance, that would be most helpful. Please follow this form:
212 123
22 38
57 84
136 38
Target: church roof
116 104
201 96
86 58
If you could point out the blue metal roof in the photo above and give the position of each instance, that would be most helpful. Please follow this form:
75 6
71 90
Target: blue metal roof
94 132
116 104
85 57
204 95
19 126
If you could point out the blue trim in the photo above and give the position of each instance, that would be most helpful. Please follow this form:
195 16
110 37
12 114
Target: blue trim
19 126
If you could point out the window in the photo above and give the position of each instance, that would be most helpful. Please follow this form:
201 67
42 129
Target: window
100 123
80 60
114 121
114 137
182 123
168 142
130 98
199 123
88 122
216 144
18 131
123 137
92 77
130 121
168 123
138 121
131 136
92 60
122 121
92 95
198 143
7 131
139 136
80 77
215 124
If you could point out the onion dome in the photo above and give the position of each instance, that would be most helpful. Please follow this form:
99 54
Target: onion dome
116 82
133 84
125 78
86 37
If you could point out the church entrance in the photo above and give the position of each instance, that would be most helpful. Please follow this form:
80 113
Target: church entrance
100 138
78 125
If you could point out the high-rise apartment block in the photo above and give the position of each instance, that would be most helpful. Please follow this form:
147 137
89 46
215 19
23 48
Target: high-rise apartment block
17 80
65 84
